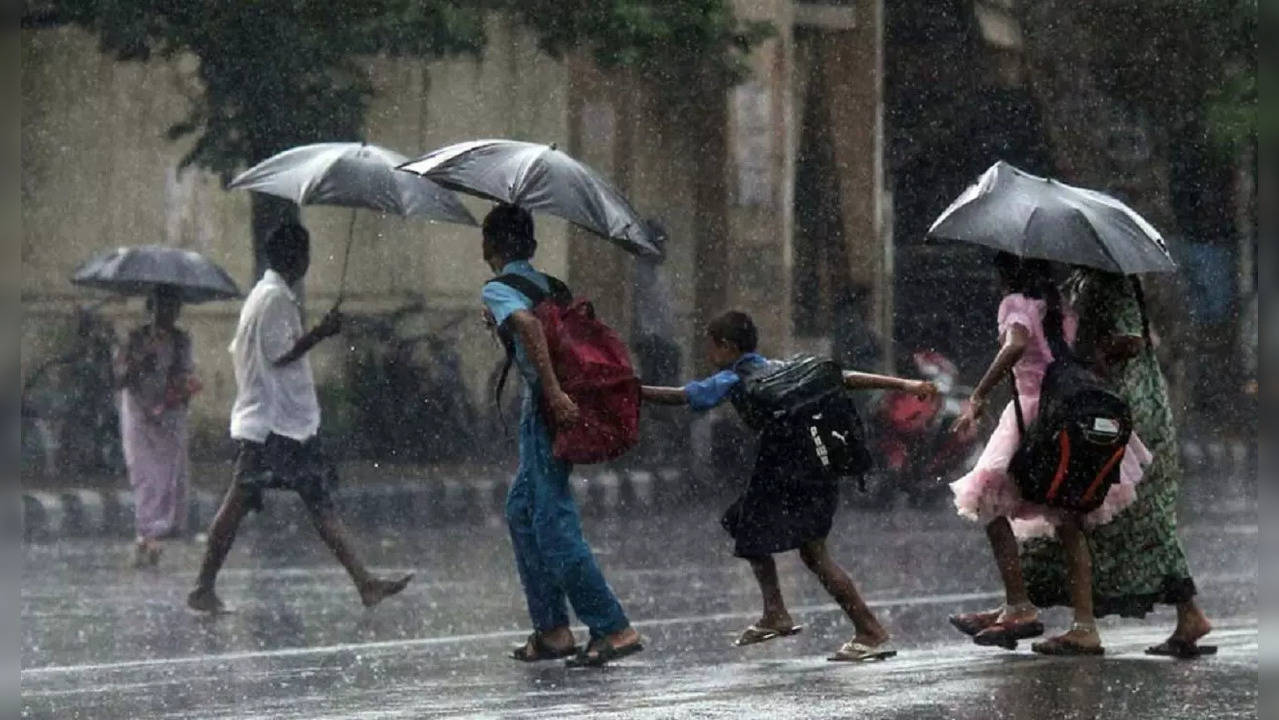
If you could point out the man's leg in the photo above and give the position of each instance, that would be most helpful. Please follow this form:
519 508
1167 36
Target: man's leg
547 606
221 536
373 590
558 532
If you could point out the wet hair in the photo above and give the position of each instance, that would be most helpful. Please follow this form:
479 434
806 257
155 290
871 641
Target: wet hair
509 229
1034 279
286 246
734 327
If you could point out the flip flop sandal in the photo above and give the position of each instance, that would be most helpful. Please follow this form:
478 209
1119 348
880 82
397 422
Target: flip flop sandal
756 634
1006 635
972 623
1061 646
860 652
600 653
540 650
1181 649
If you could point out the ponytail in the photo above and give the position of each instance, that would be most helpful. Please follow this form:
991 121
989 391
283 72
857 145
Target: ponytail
1055 320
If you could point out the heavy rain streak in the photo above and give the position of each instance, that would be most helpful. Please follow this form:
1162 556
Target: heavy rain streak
639 359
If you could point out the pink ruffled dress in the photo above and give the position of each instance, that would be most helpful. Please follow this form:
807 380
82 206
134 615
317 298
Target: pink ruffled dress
988 491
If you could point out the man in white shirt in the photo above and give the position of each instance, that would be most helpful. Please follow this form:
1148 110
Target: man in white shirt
275 420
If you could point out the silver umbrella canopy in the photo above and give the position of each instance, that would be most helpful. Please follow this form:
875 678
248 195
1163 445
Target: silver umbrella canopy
538 178
1034 217
354 175
139 270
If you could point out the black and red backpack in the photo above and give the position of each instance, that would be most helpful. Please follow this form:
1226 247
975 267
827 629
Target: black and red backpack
1070 456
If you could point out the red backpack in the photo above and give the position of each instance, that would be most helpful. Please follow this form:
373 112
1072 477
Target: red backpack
593 367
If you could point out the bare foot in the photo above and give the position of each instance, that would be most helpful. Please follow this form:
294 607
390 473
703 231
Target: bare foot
1017 614
205 601
1192 624
871 639
623 638
378 589
1083 637
974 622
780 622
560 638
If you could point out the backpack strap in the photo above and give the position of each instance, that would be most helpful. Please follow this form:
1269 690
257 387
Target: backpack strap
559 293
1021 418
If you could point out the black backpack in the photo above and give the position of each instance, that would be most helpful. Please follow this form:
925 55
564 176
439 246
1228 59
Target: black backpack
1071 456
804 399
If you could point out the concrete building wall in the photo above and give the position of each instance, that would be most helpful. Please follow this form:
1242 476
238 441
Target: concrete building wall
719 175
97 172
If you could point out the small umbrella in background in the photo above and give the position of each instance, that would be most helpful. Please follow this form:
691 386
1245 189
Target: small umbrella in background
1033 217
354 175
139 270
538 178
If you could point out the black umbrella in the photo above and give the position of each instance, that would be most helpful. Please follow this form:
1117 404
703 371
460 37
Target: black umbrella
354 175
139 270
538 178
1029 216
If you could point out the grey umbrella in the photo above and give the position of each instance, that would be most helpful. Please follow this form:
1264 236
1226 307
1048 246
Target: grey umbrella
138 270
1030 216
354 175
538 178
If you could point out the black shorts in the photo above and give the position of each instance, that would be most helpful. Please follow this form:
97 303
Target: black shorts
282 463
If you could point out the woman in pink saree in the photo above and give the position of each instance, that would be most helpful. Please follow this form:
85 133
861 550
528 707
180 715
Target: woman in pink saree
155 374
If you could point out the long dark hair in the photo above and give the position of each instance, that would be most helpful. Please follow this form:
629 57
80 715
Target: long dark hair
1034 279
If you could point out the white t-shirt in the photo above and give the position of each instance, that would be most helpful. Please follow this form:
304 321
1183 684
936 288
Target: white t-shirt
271 399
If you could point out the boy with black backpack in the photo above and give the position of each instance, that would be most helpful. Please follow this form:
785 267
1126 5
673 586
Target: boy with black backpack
790 500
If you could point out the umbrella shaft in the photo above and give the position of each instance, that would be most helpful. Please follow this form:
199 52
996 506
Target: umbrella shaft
346 258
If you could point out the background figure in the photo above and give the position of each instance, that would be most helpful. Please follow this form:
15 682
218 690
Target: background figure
155 374
1138 559
856 344
657 355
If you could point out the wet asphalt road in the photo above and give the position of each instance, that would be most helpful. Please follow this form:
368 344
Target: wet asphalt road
104 641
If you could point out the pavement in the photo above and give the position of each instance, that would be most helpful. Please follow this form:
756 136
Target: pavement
100 640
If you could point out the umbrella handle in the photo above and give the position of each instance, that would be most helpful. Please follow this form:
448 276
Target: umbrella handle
346 259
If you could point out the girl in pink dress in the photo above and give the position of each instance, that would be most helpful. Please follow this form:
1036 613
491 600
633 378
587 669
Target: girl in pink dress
1033 329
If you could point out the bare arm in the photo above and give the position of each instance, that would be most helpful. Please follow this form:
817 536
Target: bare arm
330 325
1014 346
1010 352
661 395
528 329
870 381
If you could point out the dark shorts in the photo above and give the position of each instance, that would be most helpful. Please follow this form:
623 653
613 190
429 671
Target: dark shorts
283 463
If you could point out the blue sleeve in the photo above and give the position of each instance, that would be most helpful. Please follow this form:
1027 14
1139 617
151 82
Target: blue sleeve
706 394
502 300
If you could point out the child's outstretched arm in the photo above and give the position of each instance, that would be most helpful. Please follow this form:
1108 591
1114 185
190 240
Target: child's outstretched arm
1015 340
870 381
661 395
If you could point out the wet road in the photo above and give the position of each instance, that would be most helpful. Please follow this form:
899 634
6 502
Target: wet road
103 641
